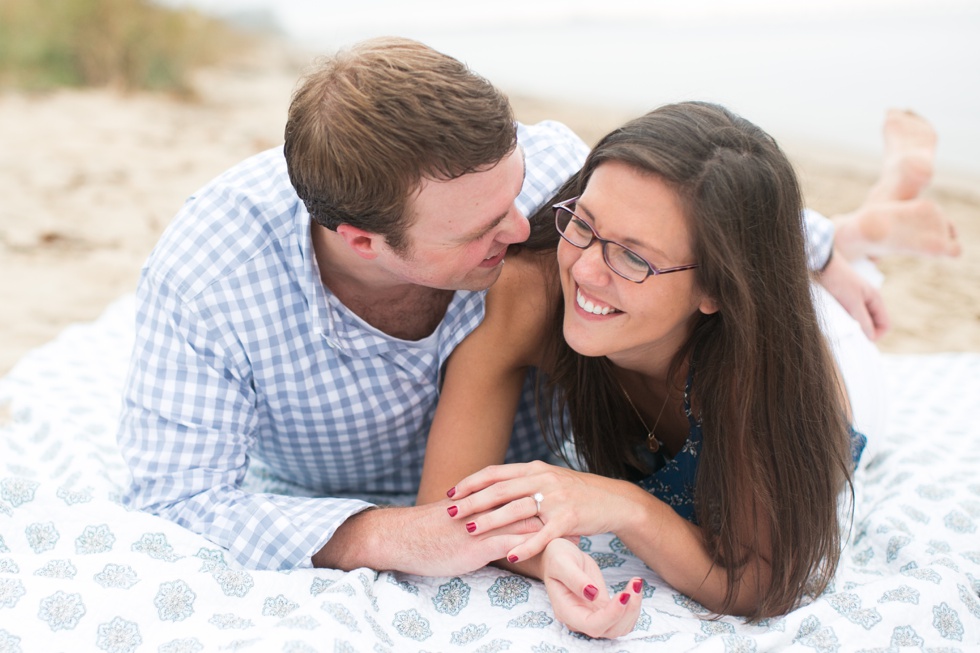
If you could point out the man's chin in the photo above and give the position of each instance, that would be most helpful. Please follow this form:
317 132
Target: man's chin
482 278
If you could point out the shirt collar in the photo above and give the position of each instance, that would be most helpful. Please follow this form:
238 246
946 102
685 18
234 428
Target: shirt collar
342 332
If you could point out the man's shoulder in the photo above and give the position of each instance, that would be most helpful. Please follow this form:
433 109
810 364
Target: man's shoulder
234 218
553 154
550 133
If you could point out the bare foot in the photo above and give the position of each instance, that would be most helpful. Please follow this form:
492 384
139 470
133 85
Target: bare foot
916 226
910 147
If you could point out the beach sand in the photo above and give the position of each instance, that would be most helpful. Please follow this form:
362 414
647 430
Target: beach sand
89 180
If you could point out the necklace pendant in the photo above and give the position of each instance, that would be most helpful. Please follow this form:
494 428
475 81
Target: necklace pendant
653 444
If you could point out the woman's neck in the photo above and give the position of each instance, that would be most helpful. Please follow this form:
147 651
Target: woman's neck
658 399
650 370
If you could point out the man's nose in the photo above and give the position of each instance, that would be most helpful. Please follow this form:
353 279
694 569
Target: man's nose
515 228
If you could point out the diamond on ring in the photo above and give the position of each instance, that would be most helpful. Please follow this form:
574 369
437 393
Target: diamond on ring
538 498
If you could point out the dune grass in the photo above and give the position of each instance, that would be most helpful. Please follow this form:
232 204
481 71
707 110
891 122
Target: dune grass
126 44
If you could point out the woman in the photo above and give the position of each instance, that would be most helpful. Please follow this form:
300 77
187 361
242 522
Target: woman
701 396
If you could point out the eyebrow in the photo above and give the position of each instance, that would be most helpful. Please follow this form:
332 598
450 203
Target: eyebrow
487 229
630 241
476 235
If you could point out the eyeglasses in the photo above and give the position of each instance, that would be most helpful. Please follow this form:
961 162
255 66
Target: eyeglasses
620 259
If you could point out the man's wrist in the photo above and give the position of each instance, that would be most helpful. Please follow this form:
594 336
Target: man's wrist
354 544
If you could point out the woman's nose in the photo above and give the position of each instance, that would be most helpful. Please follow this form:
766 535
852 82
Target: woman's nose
591 266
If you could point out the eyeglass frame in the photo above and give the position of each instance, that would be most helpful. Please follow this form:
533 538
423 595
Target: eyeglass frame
652 270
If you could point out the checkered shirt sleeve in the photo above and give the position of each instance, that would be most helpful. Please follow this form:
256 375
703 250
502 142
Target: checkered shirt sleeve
819 239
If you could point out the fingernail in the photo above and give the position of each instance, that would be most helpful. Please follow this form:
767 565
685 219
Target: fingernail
511 559
470 527
452 510
590 592
624 598
637 586
451 492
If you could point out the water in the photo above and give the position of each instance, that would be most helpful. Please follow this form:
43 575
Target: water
810 72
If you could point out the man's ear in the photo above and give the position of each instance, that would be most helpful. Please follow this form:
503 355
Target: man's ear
363 243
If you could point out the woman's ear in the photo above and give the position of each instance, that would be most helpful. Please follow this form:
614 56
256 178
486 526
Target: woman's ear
708 306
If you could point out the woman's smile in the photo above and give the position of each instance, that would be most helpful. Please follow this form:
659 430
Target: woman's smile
593 306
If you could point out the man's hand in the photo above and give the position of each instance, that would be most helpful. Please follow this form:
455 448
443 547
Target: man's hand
856 295
420 540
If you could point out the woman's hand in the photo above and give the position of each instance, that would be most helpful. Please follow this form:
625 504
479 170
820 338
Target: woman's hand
858 297
571 503
579 597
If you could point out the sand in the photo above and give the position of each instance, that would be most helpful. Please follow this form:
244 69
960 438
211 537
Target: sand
89 179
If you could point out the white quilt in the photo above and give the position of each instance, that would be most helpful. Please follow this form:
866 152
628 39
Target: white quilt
78 572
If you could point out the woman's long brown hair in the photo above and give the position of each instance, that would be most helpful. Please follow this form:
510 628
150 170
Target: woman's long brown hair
776 447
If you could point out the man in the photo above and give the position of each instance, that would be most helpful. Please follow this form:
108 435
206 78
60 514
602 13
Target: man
296 315
315 345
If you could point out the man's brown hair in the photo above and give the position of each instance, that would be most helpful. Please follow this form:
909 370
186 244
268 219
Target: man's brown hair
366 125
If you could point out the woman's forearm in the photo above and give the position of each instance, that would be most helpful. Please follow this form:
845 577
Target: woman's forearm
675 549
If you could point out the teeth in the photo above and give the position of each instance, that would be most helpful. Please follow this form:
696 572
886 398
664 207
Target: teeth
589 307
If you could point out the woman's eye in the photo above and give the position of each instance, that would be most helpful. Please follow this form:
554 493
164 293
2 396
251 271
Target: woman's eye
581 228
634 261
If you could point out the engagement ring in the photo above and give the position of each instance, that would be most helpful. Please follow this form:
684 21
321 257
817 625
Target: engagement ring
538 498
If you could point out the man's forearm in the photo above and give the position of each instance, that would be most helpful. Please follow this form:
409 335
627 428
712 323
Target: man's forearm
354 544
420 540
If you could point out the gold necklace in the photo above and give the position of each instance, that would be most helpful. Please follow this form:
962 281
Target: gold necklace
653 442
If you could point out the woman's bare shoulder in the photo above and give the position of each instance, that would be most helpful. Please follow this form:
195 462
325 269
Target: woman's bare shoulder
521 303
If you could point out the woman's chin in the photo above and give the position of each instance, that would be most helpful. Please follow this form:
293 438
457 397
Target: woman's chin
585 343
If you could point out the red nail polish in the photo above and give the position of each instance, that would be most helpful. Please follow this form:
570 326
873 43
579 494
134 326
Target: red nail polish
452 510
590 592
512 559
470 527
451 492
624 598
637 586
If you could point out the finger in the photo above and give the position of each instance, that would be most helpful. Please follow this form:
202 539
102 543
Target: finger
575 608
495 496
496 546
611 618
861 315
879 315
573 572
570 609
526 527
622 619
509 513
536 543
864 319
623 611
619 615
636 585
484 478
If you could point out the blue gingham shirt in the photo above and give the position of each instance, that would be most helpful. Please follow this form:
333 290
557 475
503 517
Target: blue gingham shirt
242 356
241 353
819 239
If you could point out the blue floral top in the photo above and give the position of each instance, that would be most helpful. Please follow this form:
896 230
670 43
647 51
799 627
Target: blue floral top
673 478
